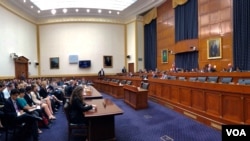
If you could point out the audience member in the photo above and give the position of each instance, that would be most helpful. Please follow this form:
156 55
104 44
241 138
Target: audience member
101 73
230 67
16 116
7 90
124 70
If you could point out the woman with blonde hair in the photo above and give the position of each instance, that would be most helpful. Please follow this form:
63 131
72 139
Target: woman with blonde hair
78 106
45 104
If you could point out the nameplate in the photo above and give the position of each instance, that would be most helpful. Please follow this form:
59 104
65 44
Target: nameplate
235 132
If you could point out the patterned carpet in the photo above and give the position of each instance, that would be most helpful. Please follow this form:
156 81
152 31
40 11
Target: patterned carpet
156 123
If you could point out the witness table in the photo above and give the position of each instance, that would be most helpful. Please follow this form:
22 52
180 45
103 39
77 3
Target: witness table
136 97
91 93
102 119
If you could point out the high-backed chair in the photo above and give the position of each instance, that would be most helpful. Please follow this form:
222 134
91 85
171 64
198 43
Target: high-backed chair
123 82
181 78
241 81
212 79
226 80
247 81
129 82
201 78
72 126
193 79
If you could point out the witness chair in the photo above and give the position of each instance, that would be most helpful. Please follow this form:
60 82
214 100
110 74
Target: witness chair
226 80
144 85
72 127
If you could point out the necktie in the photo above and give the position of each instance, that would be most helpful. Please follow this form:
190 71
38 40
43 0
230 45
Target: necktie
15 105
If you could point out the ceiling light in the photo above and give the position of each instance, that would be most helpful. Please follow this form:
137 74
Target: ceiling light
53 11
38 11
77 10
96 4
87 10
65 10
24 1
110 12
118 13
31 6
99 11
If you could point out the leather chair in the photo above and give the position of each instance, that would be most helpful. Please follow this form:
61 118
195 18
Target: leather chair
72 126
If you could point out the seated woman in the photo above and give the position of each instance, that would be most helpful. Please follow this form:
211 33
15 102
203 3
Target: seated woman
78 106
22 103
45 104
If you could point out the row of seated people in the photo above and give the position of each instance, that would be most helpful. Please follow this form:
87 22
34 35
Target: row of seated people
25 105
213 79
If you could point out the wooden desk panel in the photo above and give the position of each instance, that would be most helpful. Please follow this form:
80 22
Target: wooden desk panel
93 95
102 120
116 90
211 103
138 99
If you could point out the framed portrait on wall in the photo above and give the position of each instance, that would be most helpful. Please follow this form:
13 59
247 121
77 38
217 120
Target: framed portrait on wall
164 56
107 61
54 63
214 48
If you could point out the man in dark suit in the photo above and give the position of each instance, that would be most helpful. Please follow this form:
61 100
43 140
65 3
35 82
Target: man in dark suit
15 116
101 73
124 70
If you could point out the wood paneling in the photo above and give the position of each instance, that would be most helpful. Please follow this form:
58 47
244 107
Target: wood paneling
232 107
213 103
185 96
198 99
215 20
247 106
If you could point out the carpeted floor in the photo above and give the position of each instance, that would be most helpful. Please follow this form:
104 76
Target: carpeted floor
156 123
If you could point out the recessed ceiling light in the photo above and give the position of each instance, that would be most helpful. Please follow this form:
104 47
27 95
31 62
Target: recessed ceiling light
118 13
24 1
31 6
65 10
99 11
77 10
87 10
110 12
95 4
38 11
53 11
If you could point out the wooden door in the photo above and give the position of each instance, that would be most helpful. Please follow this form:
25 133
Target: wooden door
131 67
21 67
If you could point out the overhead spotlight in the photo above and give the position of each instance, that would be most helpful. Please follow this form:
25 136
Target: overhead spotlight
38 11
193 47
87 10
53 11
77 10
110 12
65 10
31 6
99 11
24 1
118 13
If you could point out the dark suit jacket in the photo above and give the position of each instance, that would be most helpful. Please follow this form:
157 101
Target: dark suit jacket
10 110
2 99
29 99
76 111
43 92
101 73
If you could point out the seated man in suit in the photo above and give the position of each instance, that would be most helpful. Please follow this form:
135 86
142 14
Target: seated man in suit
124 70
15 116
230 67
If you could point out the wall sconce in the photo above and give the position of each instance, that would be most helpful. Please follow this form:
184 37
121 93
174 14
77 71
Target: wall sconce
193 48
128 56
36 63
13 55
171 52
